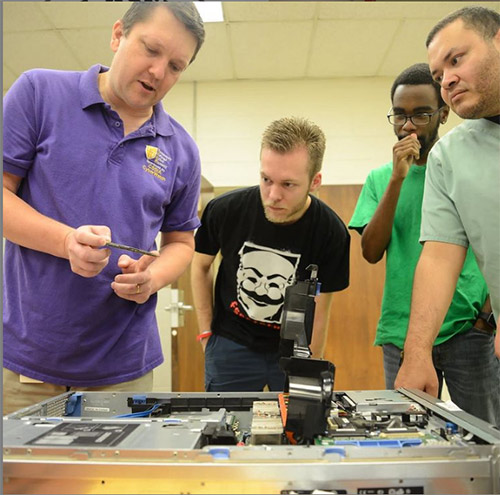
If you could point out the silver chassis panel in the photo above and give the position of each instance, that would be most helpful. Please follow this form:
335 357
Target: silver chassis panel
155 458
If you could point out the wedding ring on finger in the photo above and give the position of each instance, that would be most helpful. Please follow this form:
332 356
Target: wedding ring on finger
138 289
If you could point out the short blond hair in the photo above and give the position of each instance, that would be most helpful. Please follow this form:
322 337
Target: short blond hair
287 134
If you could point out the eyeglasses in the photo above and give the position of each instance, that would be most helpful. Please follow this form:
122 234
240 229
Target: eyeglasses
417 119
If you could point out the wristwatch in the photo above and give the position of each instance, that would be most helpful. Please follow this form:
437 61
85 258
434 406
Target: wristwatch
489 318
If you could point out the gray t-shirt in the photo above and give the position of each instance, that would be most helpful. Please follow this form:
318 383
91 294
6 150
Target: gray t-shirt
461 202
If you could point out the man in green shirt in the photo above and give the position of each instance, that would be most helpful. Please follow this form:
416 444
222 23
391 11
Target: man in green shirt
388 215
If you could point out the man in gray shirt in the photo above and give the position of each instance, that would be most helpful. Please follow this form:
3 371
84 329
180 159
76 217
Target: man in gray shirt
461 203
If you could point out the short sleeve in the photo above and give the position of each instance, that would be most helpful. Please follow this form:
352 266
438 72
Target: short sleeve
207 237
182 212
366 206
19 127
440 218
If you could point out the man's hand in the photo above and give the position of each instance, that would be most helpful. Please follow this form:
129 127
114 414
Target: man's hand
135 283
404 153
204 343
419 374
82 247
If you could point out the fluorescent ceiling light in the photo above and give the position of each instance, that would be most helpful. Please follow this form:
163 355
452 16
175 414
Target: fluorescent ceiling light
210 11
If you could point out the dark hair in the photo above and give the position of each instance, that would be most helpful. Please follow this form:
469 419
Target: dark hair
185 12
485 22
287 134
414 75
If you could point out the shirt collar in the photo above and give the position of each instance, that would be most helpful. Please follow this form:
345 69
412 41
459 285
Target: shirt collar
495 119
89 88
89 95
161 121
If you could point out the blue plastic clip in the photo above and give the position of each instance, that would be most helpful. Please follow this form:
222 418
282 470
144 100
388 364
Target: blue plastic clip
219 453
335 450
74 405
451 428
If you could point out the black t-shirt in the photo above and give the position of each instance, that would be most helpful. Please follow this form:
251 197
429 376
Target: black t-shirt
260 259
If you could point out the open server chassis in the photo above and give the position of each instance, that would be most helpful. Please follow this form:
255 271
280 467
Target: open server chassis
377 442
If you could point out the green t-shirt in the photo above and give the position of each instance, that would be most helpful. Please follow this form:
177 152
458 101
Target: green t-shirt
402 256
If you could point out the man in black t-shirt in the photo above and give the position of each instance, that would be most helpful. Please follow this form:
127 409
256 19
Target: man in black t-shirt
267 235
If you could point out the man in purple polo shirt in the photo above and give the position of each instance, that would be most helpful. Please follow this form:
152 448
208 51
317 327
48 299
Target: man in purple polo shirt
91 157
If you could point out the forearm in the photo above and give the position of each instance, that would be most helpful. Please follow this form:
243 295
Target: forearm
174 259
318 341
434 284
320 326
202 288
25 226
486 308
487 305
377 233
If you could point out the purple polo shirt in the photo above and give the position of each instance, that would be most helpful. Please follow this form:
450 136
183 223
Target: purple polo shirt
68 145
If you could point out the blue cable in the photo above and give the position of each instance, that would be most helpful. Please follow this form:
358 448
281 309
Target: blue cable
140 414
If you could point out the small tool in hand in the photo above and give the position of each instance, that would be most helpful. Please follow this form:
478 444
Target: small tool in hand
130 248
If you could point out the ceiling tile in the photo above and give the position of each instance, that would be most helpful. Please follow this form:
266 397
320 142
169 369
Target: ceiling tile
407 48
350 47
358 10
270 49
391 9
268 11
213 61
78 41
83 14
23 16
47 49
260 40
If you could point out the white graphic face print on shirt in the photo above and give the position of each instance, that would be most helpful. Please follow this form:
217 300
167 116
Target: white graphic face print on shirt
262 277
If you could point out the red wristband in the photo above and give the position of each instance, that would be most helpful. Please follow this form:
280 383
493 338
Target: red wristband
203 335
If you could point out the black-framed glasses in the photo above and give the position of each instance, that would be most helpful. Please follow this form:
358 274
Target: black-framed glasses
418 119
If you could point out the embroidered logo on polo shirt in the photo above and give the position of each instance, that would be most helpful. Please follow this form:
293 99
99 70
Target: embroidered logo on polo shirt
156 162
